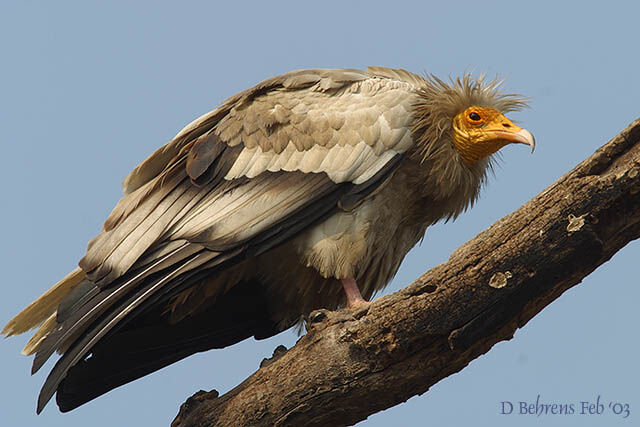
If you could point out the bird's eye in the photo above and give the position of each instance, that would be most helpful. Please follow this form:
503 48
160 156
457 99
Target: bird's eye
474 116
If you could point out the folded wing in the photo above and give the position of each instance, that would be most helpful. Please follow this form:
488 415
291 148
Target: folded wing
264 167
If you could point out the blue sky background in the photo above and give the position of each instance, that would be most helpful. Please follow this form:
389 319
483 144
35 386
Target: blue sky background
87 91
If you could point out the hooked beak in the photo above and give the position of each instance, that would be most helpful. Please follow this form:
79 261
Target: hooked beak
521 136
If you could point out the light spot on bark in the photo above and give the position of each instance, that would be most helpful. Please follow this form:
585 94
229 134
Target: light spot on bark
575 223
499 280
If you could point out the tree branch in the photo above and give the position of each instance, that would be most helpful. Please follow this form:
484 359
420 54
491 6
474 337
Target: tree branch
351 364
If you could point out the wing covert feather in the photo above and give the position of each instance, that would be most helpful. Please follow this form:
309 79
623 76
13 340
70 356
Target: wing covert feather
303 107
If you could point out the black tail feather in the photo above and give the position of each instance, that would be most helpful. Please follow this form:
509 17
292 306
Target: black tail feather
144 346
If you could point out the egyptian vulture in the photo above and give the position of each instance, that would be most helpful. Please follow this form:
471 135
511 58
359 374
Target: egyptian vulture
303 192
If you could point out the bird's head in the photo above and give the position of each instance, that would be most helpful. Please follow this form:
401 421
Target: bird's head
467 117
478 132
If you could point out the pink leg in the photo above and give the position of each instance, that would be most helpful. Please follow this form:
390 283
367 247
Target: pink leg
354 298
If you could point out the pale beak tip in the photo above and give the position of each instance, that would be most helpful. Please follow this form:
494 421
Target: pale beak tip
527 138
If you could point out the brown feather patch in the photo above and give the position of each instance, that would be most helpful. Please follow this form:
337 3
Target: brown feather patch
203 153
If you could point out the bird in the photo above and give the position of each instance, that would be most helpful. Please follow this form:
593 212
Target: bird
303 192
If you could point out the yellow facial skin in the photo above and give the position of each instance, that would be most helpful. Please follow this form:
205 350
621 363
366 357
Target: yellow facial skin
479 132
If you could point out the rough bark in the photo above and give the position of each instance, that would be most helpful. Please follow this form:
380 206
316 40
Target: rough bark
351 364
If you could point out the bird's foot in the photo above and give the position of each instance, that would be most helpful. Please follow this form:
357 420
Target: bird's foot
354 298
316 318
358 304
